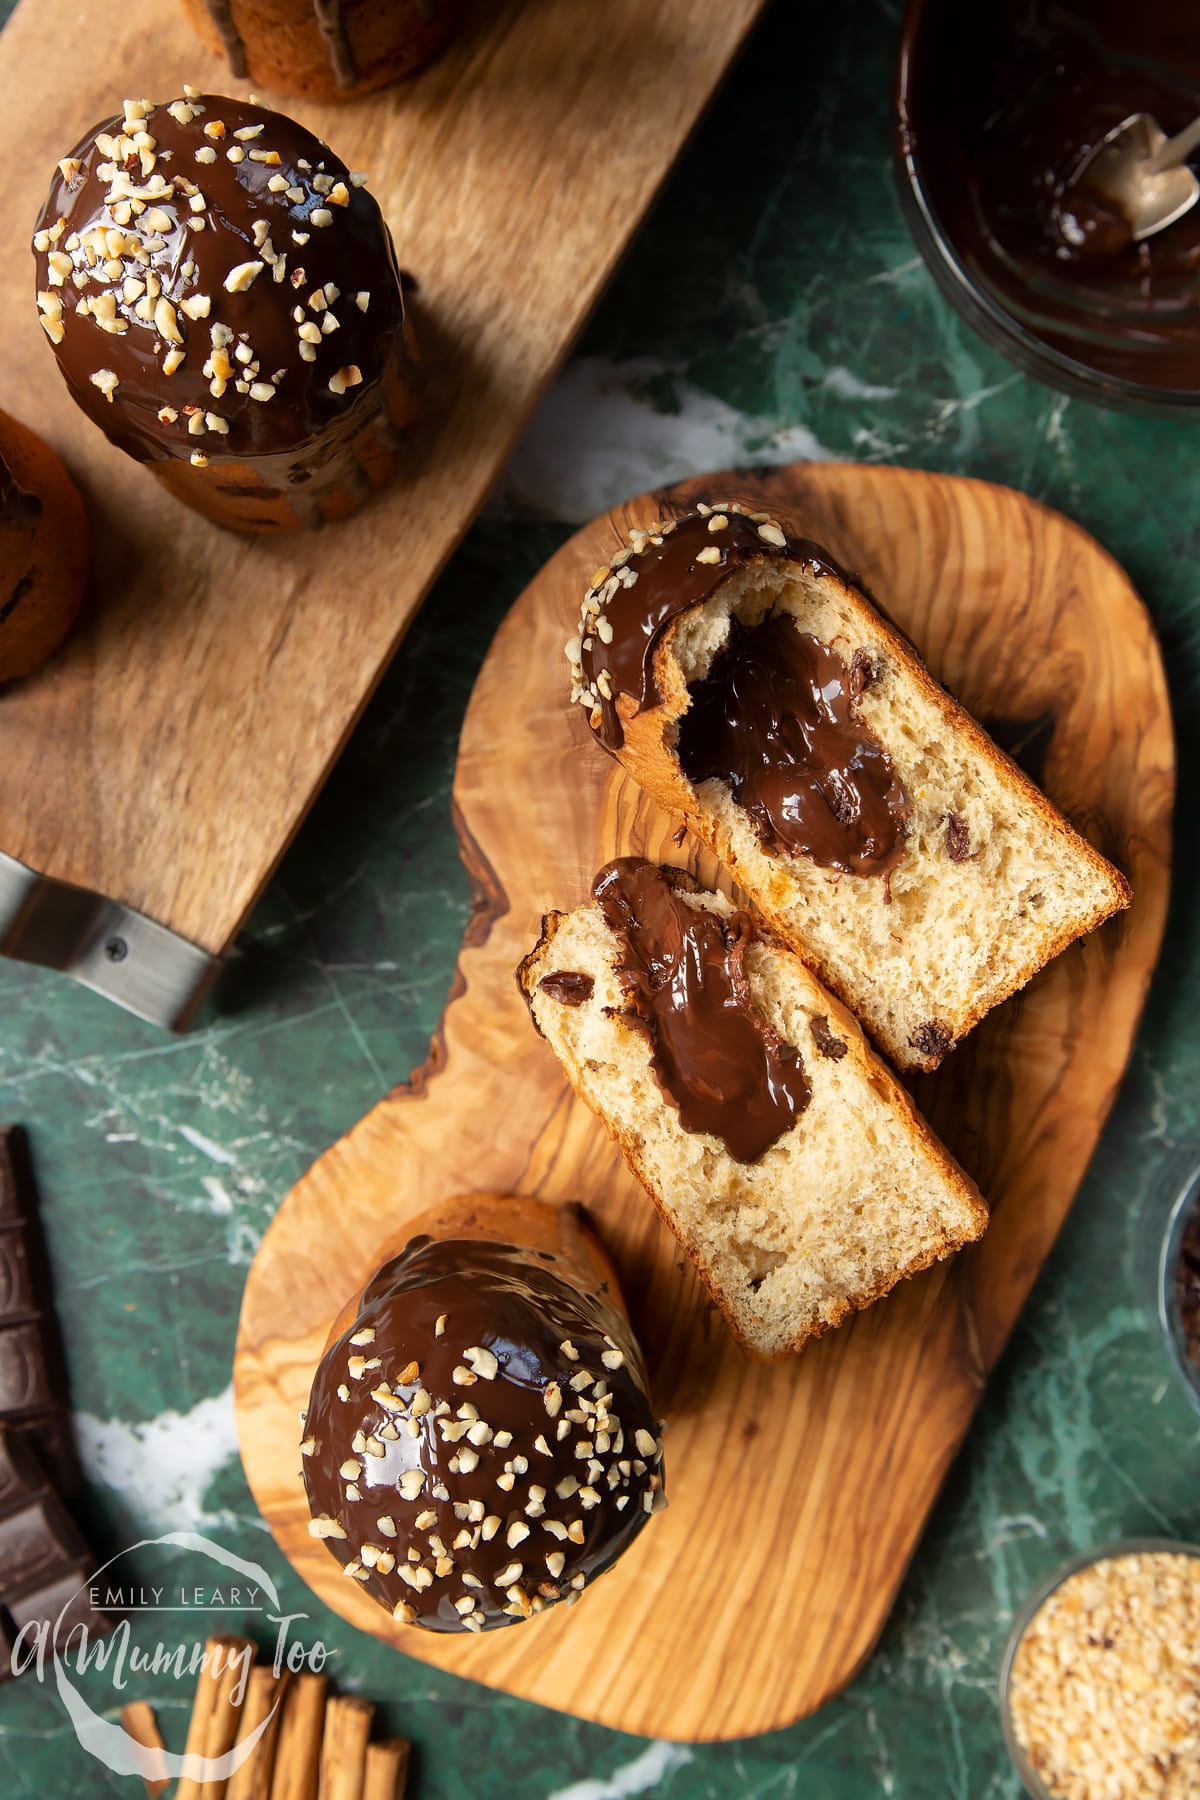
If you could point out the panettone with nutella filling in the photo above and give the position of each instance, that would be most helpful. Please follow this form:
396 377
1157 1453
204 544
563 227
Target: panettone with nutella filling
780 1149
324 49
223 298
479 1442
749 685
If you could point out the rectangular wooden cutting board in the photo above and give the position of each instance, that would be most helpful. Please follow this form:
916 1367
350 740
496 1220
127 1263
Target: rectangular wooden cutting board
167 754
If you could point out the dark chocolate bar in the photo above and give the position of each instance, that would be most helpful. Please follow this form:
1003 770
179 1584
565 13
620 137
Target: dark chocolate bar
33 1391
48 1437
64 1602
15 1176
45 1566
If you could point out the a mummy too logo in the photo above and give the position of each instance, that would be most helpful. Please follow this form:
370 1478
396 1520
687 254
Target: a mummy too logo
199 1580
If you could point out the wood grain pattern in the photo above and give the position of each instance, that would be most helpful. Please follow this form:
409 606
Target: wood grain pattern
798 1491
167 754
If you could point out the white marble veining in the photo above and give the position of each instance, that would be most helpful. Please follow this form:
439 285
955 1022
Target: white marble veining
644 1775
597 439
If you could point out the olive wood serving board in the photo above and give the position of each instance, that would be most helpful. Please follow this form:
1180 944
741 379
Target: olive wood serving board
799 1490
167 754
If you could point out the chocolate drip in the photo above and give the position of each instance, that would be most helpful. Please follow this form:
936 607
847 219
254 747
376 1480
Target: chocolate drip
221 13
670 579
333 30
775 720
717 1060
505 1368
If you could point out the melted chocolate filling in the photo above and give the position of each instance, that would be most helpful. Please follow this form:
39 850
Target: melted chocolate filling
726 1071
775 720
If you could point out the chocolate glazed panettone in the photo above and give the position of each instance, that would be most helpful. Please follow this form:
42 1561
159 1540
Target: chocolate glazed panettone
223 299
324 49
479 1443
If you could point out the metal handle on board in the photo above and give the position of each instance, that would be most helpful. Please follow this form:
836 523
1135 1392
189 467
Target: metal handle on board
110 948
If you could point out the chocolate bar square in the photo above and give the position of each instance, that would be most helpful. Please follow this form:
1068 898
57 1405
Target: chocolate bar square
18 1285
21 1478
63 1603
48 1438
37 1542
25 1383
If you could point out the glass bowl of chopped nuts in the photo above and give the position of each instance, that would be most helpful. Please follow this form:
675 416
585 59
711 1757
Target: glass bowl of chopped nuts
1100 1678
1179 1286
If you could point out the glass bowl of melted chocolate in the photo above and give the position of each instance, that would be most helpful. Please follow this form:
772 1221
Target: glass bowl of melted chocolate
1000 107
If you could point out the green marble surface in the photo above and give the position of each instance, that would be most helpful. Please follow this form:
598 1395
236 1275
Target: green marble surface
773 307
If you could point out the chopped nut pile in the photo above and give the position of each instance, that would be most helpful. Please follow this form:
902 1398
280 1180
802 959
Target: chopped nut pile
1105 1685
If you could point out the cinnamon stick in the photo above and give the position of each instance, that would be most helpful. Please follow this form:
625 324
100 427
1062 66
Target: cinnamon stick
298 1744
344 1748
142 1726
264 1700
215 1716
387 1770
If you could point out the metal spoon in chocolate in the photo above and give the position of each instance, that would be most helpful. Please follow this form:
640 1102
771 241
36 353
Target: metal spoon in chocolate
1133 184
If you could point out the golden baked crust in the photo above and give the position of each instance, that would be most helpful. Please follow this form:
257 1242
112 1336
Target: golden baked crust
280 44
45 550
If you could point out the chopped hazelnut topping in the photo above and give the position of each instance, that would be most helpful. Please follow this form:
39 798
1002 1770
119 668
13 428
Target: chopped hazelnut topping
325 1527
165 322
242 277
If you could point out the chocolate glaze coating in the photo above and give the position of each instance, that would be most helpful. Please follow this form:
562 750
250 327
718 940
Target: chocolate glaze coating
646 588
776 719
184 217
726 1071
505 1450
